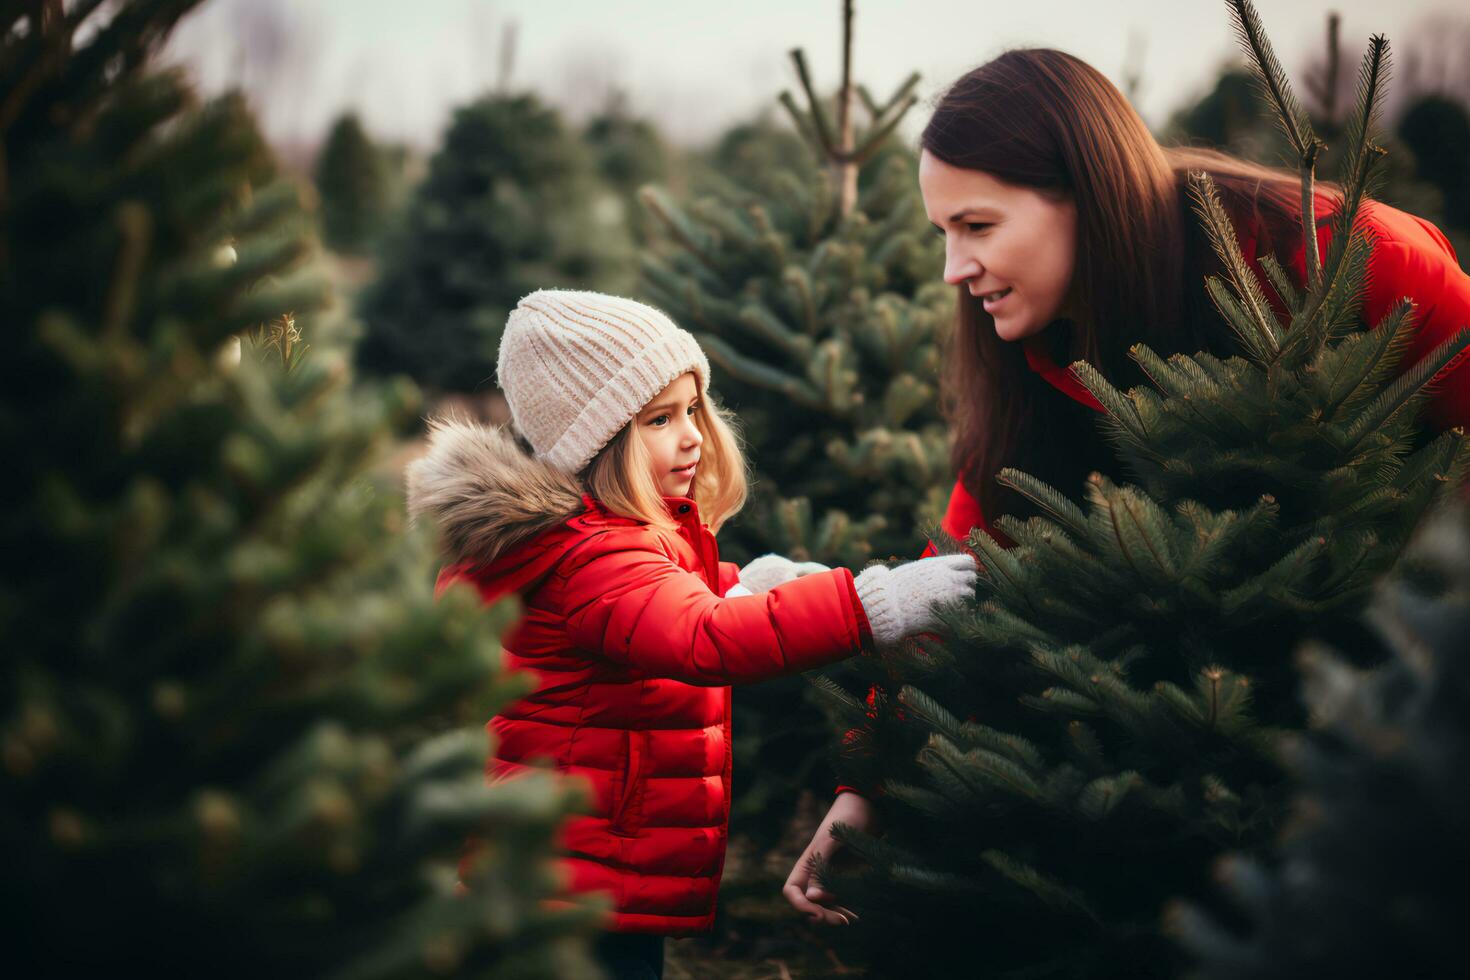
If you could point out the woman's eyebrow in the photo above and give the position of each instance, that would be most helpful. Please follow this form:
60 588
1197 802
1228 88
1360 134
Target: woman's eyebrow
959 215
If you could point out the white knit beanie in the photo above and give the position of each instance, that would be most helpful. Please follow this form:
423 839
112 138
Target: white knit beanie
576 367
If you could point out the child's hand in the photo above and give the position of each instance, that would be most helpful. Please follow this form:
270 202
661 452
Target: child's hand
801 890
900 601
769 571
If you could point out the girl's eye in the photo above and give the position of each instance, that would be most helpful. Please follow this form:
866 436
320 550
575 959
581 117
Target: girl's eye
691 409
658 420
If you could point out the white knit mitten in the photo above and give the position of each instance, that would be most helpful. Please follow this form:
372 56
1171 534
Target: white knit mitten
769 571
899 601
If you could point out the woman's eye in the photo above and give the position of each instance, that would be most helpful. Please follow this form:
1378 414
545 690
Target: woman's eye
977 225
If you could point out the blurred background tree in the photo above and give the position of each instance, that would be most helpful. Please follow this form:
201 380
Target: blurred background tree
1365 881
353 183
229 727
512 203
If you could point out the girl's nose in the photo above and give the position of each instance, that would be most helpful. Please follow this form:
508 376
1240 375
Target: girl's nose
692 436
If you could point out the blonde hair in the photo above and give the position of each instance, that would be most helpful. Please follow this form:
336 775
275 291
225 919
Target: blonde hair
620 474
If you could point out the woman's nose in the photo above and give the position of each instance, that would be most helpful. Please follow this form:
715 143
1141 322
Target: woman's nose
959 266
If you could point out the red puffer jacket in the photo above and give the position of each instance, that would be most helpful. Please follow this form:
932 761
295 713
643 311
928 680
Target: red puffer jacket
632 650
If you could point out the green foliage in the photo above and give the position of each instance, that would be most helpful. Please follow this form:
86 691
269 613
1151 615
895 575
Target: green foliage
227 689
1364 883
511 204
628 153
824 334
352 179
1106 718
1428 143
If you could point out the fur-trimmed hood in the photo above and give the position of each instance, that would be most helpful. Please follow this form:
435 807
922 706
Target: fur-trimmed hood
484 492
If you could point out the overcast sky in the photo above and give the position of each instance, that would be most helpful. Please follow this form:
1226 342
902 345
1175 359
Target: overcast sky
696 66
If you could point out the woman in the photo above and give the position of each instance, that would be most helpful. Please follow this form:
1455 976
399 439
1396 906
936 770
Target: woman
1070 236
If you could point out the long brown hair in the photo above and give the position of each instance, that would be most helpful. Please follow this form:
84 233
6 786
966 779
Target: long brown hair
1044 119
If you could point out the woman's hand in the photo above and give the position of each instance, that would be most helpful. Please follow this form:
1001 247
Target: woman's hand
801 889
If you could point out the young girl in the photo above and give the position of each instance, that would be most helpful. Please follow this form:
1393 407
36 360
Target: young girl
633 628
1069 236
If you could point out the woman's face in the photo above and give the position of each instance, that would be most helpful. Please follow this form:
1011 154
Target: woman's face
1013 247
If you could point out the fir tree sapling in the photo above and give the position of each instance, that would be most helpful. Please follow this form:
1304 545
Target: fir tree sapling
825 326
508 207
1105 719
225 733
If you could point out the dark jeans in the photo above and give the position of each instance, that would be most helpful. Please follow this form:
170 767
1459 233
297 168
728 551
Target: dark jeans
631 956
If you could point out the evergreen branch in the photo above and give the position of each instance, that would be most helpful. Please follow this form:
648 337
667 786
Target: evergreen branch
1357 361
1222 238
1373 74
1362 161
874 139
1117 404
678 225
818 115
1051 501
1042 886
1281 282
764 324
1271 77
1391 401
754 372
799 119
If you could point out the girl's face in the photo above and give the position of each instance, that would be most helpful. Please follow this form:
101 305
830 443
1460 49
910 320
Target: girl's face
1013 247
666 426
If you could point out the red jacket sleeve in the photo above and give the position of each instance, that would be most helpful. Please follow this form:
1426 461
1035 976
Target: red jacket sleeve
629 602
729 575
1414 260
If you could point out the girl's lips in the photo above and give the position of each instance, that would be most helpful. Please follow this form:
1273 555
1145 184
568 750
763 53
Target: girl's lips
687 470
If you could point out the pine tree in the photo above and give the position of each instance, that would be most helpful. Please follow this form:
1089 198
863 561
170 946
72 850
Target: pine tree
823 329
1436 129
628 152
353 183
1366 882
1106 717
225 738
508 207
823 320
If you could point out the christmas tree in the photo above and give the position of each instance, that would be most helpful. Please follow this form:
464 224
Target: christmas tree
510 205
1106 718
814 295
1365 882
808 275
352 179
628 153
226 734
